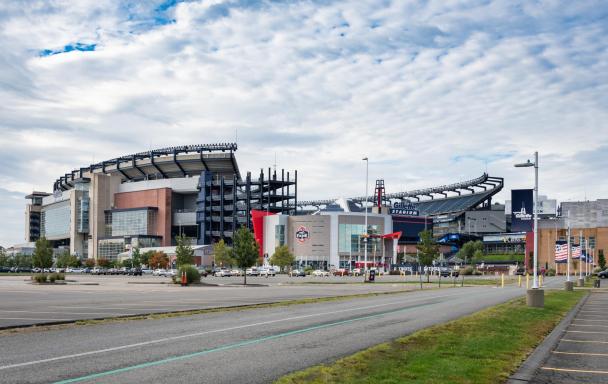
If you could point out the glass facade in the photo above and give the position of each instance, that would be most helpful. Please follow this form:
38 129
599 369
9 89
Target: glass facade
279 235
56 220
350 240
82 213
131 222
110 248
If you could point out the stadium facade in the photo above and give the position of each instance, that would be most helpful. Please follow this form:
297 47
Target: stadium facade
147 199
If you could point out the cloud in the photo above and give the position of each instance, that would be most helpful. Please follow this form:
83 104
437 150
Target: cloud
432 92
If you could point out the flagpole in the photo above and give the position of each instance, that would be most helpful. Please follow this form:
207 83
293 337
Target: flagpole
580 259
569 250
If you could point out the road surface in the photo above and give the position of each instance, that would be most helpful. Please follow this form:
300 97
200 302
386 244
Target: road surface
249 346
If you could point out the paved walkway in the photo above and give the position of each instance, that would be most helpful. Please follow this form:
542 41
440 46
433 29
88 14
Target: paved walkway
581 356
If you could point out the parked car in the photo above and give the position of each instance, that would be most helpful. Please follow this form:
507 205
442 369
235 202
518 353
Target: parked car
520 271
222 272
99 271
122 271
252 272
146 271
170 273
236 272
135 272
159 272
320 273
202 271
87 270
5 269
357 272
447 272
603 274
267 272
297 273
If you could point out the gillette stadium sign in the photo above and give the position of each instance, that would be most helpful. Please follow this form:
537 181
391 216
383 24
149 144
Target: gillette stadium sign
405 209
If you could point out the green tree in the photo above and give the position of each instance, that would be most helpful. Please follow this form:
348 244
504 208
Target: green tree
3 259
145 257
43 254
282 257
478 255
136 258
74 262
184 254
428 250
90 263
159 260
601 260
468 249
103 263
222 254
246 251
63 259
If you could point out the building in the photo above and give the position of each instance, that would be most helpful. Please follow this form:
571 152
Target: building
332 239
588 221
146 199
32 215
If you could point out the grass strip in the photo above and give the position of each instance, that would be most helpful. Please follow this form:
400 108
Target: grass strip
485 347
444 281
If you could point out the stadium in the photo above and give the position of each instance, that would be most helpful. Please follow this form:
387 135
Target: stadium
148 198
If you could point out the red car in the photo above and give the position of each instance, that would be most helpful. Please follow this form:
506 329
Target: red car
342 272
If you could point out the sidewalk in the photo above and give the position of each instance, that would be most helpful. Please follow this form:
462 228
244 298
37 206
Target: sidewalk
577 351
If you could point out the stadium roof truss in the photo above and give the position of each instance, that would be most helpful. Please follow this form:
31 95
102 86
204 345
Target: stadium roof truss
170 162
439 200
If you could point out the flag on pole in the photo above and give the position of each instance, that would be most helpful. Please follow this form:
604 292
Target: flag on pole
577 251
561 252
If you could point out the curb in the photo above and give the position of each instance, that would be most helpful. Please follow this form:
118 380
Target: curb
526 371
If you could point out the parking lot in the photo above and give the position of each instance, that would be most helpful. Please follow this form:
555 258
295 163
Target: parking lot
581 355
89 297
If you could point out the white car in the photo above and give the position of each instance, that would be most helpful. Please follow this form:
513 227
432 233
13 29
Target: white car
170 273
320 273
222 272
159 272
267 272
146 271
236 272
252 272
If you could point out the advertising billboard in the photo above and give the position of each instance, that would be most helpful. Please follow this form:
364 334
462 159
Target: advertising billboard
522 210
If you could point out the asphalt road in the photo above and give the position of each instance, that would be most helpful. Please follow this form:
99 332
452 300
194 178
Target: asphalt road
22 303
249 346
581 355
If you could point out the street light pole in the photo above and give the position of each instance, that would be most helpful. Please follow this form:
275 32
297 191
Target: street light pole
366 198
535 296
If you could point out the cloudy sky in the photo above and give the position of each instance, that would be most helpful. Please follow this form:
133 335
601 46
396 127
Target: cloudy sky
433 92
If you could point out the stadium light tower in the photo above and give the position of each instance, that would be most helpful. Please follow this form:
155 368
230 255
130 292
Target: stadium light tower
365 234
535 295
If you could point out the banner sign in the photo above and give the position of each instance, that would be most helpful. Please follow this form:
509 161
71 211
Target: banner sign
522 203
561 252
302 234
405 208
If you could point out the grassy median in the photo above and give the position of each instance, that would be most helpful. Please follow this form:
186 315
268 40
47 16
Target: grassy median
485 347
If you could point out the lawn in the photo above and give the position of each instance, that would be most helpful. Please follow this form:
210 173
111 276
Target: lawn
485 347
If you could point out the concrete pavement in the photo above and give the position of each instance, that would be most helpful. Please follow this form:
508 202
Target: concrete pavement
249 346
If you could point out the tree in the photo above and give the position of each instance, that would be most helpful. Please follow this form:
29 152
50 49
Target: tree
245 250
145 257
428 250
103 263
136 258
63 259
601 260
468 249
184 254
282 257
222 254
478 255
89 263
43 254
159 260
4 260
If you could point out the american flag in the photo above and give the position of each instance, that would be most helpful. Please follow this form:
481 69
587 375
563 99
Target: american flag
577 251
561 252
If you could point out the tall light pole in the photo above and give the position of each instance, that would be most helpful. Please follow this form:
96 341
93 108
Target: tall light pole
535 296
365 207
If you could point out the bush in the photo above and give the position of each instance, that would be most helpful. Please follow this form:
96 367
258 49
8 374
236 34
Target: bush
551 272
52 277
468 271
192 274
308 270
39 277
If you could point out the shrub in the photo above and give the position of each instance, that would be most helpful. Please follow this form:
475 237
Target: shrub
394 272
551 272
39 277
477 273
468 271
192 274
52 277
308 270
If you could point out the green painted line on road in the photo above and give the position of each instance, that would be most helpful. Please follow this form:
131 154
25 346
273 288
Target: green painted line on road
236 345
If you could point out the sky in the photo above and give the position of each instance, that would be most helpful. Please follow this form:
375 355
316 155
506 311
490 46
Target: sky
433 92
